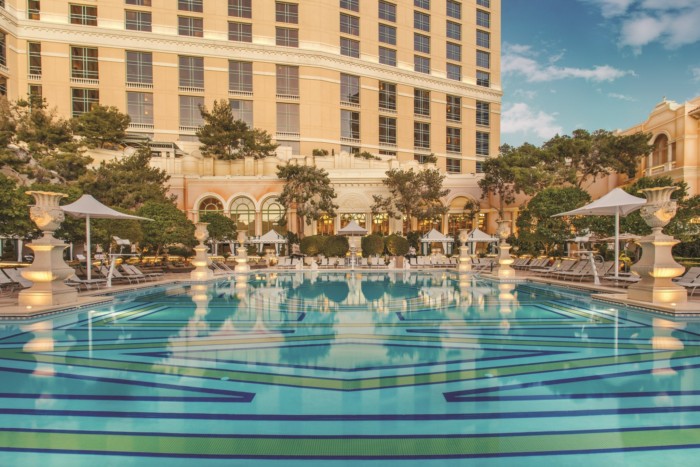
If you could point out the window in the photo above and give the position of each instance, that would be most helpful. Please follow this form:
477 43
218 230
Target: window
3 48
287 12
454 166
353 5
349 24
243 214
454 31
483 59
349 124
454 9
387 96
287 80
35 92
33 9
483 39
421 102
34 52
139 67
82 100
190 26
84 63
139 2
240 32
454 108
425 4
137 20
191 72
421 64
454 72
242 110
421 135
287 118
483 18
349 47
387 130
139 106
483 79
287 37
190 115
272 213
421 21
484 3
483 114
349 89
387 11
383 152
240 8
3 86
240 76
83 14
479 167
387 56
454 139
387 34
190 5
482 143
421 43
454 52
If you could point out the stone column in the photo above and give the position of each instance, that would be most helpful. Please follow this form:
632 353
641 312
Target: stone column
48 270
465 261
657 266
242 255
504 259
201 260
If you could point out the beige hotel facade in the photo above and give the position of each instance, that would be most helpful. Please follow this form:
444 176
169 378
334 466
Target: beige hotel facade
400 79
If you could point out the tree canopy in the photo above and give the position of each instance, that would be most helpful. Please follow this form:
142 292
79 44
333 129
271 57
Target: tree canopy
220 228
413 194
102 126
170 226
308 190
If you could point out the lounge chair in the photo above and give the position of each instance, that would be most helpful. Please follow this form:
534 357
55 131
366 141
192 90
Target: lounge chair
15 276
623 279
158 274
375 263
689 275
7 285
85 284
133 271
118 276
691 285
577 268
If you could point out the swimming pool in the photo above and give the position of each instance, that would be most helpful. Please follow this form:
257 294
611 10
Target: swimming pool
333 368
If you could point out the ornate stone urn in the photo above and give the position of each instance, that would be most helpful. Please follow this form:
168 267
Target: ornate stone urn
504 260
48 270
242 255
201 259
465 261
657 266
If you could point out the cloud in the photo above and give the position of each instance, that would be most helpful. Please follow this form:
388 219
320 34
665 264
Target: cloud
520 118
696 73
518 59
527 94
621 97
611 8
672 23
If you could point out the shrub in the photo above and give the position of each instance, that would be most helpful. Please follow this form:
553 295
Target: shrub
372 245
336 246
313 244
414 240
396 245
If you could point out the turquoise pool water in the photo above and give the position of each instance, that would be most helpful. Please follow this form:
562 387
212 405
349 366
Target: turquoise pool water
336 368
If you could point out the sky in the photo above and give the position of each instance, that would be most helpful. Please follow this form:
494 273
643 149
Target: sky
594 64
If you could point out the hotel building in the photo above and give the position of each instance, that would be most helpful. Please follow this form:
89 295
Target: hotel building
399 79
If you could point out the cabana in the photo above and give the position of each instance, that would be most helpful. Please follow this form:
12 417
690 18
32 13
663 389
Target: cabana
479 236
271 238
434 236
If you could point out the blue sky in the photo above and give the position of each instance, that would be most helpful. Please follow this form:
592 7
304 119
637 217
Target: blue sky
593 64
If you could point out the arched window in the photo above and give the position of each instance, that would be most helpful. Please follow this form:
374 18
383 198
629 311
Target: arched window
359 217
458 218
243 214
325 225
210 204
660 154
272 213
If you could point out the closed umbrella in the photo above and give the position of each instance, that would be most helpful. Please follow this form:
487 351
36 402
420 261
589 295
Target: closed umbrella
87 207
616 203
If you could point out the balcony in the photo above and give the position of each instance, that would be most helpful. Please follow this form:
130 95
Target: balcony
4 69
140 126
288 97
657 169
191 89
135 85
34 77
287 135
233 93
354 105
188 129
85 81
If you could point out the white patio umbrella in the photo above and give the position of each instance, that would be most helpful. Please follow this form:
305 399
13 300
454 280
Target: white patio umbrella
616 203
87 207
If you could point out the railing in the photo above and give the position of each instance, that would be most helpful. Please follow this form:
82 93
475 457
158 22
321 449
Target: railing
188 129
85 81
350 104
4 69
287 134
657 169
288 97
194 89
131 84
350 140
240 93
387 145
387 111
34 77
140 126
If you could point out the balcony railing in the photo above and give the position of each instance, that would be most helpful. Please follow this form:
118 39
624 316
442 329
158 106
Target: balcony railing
85 81
288 97
194 89
131 84
287 135
233 93
657 169
140 126
34 77
188 129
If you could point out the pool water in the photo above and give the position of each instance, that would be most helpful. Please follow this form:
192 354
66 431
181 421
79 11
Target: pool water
336 368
